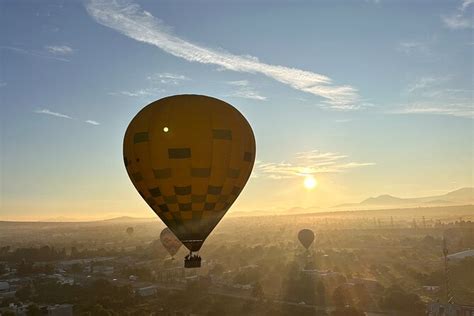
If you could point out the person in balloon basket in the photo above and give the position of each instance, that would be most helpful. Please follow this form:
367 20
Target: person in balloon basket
192 260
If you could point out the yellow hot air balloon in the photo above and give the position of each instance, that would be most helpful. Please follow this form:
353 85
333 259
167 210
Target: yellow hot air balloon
189 157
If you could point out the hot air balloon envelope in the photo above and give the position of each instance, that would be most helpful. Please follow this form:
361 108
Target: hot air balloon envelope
189 157
169 241
306 237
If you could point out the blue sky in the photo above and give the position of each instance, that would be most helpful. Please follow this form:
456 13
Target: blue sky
368 97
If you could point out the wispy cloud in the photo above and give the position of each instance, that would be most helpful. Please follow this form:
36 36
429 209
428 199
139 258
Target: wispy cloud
34 53
464 109
426 82
3 84
239 83
459 19
465 4
57 114
132 21
61 115
139 93
343 120
414 47
59 49
167 78
456 21
307 163
244 90
430 95
92 122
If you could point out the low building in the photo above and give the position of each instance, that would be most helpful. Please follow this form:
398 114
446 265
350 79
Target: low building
4 287
106 270
370 284
60 310
146 291
431 288
461 255
440 309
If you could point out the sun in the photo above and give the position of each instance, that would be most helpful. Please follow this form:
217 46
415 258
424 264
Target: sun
310 182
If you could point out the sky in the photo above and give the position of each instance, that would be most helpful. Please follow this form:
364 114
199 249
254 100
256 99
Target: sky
362 97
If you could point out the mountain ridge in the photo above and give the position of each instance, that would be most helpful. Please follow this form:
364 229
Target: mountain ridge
456 197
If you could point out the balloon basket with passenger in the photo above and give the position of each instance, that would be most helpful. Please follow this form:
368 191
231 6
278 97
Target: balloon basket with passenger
192 260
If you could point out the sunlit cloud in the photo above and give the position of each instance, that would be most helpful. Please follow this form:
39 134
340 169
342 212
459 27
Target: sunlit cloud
60 49
244 90
452 109
167 78
130 20
307 163
460 19
56 114
92 122
429 95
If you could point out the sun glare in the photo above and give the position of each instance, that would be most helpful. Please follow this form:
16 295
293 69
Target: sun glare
310 182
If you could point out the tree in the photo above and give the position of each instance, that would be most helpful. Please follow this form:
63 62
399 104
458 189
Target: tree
2 269
339 297
24 293
257 291
99 310
33 310
397 299
76 268
347 311
320 294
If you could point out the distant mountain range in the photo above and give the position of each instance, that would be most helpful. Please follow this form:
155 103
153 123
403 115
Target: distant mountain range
126 219
461 196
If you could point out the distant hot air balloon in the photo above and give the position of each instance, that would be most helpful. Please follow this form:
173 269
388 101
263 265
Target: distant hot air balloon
130 231
169 241
189 157
306 237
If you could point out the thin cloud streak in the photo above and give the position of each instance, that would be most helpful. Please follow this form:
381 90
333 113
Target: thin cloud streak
139 93
414 47
244 90
92 122
132 21
167 78
60 49
429 95
34 53
307 163
452 109
61 115
421 84
459 19
248 93
48 112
